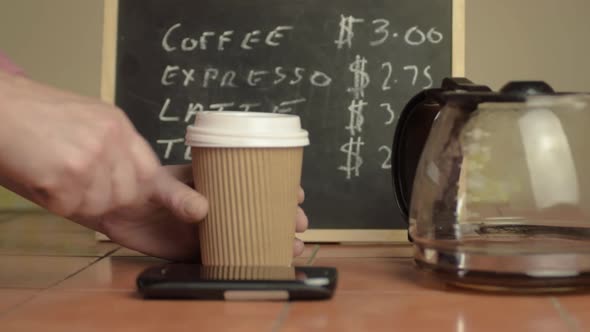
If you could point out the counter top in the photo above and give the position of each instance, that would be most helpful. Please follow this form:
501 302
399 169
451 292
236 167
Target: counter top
54 276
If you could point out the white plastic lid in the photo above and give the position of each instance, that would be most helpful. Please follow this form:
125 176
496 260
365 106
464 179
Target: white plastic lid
246 129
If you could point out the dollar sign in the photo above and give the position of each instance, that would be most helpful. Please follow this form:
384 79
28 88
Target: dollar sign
346 30
356 116
361 77
353 157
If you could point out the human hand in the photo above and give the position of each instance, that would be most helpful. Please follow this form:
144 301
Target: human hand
155 229
301 224
72 155
83 160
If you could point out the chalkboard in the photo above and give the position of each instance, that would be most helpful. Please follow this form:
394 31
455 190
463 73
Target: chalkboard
347 67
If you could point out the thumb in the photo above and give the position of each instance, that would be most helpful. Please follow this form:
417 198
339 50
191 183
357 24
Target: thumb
182 200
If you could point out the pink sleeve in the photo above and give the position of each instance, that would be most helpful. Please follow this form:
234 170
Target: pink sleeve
8 66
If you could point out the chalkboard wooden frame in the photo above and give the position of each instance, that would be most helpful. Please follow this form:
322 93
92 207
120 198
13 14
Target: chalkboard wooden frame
108 86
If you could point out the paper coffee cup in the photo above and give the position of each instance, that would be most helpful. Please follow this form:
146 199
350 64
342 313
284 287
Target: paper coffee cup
248 165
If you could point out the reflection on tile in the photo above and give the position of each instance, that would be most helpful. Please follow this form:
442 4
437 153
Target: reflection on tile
122 311
307 252
362 250
49 235
38 271
4 216
304 259
40 222
112 273
424 312
125 252
115 273
576 310
380 275
12 297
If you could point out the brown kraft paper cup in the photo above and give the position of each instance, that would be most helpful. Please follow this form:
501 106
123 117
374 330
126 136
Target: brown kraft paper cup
252 194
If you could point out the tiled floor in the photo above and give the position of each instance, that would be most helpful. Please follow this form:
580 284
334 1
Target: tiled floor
39 272
424 312
10 298
55 277
26 235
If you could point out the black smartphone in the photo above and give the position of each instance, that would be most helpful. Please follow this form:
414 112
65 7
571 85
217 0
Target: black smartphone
192 281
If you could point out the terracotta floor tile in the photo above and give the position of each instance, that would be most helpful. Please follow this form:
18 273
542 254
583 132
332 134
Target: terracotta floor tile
122 311
12 297
38 271
365 251
112 273
576 310
48 235
424 312
380 275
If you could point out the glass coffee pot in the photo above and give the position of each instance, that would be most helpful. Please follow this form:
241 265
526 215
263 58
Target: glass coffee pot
496 185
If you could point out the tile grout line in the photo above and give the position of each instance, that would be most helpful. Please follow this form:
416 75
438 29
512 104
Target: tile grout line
98 259
282 317
45 290
572 322
313 255
114 251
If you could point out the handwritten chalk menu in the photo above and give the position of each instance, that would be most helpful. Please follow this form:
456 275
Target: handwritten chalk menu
347 67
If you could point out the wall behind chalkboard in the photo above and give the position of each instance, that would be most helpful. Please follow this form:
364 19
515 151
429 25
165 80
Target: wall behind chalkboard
346 67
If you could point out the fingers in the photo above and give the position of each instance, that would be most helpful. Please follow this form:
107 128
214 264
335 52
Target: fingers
186 204
301 225
298 248
301 195
301 221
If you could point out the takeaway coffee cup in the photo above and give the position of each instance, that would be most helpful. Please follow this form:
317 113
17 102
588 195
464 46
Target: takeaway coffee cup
248 165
